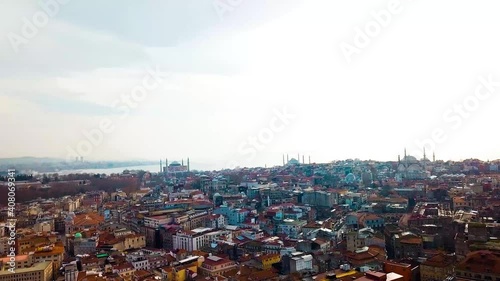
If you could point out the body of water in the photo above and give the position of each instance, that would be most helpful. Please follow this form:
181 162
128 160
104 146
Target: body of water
150 168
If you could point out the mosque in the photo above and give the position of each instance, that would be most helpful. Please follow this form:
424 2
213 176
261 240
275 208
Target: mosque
409 168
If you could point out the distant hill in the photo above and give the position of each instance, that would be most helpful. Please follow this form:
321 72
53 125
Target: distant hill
51 165
29 160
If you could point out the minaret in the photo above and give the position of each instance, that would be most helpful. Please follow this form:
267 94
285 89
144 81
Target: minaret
433 157
188 163
161 166
424 153
287 160
283 159
166 165
303 161
182 162
399 158
309 159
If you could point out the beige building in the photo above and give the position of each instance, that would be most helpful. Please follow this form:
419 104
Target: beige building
438 267
214 266
38 272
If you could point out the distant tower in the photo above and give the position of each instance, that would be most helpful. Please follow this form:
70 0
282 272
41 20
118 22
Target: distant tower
433 157
399 158
182 162
283 159
405 152
309 159
298 158
424 153
166 165
188 163
287 160
303 161
161 166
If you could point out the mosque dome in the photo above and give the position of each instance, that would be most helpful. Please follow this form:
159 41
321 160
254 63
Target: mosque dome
78 235
410 159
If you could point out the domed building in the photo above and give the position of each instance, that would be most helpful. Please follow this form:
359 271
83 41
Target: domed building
409 168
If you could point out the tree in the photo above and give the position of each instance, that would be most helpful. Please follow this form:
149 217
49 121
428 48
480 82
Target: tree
45 179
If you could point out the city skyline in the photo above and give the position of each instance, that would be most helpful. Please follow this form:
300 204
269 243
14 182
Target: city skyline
342 80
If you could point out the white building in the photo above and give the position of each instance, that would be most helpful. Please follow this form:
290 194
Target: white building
156 221
300 261
196 239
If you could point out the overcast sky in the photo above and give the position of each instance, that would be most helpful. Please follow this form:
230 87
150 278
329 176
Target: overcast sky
243 81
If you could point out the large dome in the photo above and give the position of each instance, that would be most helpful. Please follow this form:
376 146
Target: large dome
78 235
410 159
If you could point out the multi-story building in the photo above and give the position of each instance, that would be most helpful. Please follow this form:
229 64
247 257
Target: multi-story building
319 198
38 272
215 266
216 221
407 245
438 267
363 237
125 270
267 260
291 228
155 221
234 216
479 265
196 239
80 245
25 269
300 261
409 271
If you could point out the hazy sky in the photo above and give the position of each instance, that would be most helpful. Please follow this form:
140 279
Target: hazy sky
240 82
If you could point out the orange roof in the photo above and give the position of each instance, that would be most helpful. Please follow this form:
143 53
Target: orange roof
88 219
411 240
439 260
